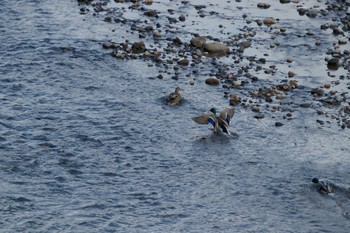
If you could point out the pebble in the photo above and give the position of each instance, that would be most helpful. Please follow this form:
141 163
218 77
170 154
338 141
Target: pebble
305 105
138 47
184 62
264 5
198 42
259 116
212 81
278 124
269 21
291 74
216 48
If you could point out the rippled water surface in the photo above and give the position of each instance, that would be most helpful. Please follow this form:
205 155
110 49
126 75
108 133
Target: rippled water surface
88 145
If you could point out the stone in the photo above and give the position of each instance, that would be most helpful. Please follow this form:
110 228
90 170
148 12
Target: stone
198 42
182 18
183 62
278 124
216 48
259 116
291 74
269 21
305 105
264 5
138 47
317 91
213 81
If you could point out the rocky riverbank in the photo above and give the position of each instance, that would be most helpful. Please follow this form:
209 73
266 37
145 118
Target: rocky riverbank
274 58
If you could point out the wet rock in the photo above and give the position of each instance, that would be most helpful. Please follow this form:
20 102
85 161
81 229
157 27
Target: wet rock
151 13
198 42
109 45
284 1
264 5
332 63
245 44
148 2
343 40
305 105
259 116
327 85
216 48
278 124
302 11
291 74
183 62
182 18
317 91
269 21
311 13
212 81
138 47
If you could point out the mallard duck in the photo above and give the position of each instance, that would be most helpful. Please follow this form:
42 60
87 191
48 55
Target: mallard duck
323 187
222 121
175 98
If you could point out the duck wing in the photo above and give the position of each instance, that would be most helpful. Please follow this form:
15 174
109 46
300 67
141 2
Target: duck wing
205 119
226 115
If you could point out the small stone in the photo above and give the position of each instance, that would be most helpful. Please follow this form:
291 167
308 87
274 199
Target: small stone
148 2
291 74
151 13
269 21
198 42
259 116
311 13
305 105
245 44
284 1
212 81
216 48
109 45
183 62
138 47
343 40
157 34
327 85
317 91
182 18
264 5
278 124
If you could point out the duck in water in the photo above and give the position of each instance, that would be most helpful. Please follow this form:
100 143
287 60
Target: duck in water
323 187
221 122
175 98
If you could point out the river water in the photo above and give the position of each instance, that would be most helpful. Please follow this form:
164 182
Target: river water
88 145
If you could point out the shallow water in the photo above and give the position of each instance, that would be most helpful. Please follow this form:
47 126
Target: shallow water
87 143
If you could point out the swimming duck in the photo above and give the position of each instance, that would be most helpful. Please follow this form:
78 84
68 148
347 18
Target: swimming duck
222 121
323 187
175 98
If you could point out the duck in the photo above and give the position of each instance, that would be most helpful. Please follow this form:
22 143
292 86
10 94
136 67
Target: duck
219 123
175 98
323 187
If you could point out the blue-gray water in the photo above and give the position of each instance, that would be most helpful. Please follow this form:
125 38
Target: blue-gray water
87 144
